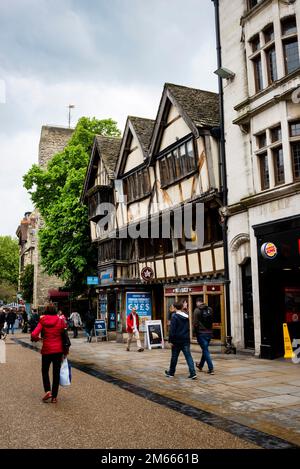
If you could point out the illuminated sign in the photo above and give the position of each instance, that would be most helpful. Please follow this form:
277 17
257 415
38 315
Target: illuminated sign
269 251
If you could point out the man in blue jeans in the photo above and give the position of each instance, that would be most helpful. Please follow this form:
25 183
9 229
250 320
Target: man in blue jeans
179 338
203 321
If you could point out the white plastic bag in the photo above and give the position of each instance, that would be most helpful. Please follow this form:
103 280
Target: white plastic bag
65 373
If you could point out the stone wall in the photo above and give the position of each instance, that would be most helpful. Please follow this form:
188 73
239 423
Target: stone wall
53 140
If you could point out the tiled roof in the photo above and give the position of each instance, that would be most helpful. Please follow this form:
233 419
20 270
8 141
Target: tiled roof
109 148
143 128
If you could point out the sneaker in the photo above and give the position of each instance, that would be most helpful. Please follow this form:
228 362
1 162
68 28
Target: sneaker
198 366
140 350
128 349
168 374
192 377
210 372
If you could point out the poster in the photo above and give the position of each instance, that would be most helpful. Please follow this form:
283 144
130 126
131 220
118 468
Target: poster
142 301
154 332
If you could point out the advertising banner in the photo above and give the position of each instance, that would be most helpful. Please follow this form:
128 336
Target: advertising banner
142 301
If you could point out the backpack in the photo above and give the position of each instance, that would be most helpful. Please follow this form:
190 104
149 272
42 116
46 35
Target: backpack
205 318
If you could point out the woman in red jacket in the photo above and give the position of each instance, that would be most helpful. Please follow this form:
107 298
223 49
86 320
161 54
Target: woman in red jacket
51 328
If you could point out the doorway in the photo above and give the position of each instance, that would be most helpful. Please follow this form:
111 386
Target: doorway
248 316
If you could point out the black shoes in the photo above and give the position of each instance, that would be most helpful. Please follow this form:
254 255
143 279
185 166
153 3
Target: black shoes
192 376
198 366
168 374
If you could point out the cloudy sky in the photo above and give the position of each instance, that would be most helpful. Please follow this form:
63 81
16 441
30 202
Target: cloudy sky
108 57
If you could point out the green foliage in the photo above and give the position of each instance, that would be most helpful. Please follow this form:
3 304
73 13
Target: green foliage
9 260
64 241
8 292
27 283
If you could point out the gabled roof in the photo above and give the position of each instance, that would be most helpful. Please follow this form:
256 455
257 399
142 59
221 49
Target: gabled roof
106 148
198 108
142 129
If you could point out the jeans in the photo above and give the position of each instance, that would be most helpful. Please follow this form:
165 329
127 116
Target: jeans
11 325
185 349
55 359
203 341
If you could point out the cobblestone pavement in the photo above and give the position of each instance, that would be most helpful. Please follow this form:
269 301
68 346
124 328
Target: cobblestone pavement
91 413
260 394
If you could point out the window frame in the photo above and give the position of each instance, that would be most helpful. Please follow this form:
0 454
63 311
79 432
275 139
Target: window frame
137 185
262 169
276 167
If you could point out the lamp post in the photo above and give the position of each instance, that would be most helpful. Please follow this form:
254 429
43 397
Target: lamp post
71 106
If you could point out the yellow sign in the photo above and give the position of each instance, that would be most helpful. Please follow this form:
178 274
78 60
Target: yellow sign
288 349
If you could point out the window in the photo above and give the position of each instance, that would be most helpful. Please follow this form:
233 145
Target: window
137 185
290 44
295 129
271 65
178 163
252 4
291 55
269 34
255 43
264 172
276 134
262 140
296 159
258 73
278 165
289 26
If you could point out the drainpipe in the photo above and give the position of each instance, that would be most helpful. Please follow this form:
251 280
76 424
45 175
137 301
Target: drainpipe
229 347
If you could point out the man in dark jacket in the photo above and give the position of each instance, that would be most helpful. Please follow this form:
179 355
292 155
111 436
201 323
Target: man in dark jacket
203 322
179 338
11 319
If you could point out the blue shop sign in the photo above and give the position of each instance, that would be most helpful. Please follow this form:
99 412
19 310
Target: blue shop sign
92 280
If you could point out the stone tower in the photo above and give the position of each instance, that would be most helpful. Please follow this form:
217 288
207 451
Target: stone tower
53 140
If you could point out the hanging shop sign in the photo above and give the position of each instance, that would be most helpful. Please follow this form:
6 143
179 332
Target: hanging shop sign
142 302
147 274
269 250
92 280
107 276
154 333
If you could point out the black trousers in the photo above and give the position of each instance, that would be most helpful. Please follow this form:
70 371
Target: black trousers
55 359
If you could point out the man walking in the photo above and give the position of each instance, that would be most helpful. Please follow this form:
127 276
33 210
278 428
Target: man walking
11 319
203 321
179 338
133 330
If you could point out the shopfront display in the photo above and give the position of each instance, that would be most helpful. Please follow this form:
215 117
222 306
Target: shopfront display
142 302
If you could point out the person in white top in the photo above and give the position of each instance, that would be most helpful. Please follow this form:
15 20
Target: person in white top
76 323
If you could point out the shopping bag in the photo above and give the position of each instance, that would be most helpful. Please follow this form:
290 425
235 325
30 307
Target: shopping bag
65 373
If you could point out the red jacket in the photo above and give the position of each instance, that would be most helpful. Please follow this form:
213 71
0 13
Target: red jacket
130 322
51 328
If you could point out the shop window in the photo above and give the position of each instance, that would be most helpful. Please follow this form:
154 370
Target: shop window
137 185
264 172
278 165
276 134
296 159
177 163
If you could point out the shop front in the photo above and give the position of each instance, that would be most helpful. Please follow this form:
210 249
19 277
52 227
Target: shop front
278 248
212 294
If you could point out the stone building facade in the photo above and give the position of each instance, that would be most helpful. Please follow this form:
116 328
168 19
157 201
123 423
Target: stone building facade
259 41
53 140
26 233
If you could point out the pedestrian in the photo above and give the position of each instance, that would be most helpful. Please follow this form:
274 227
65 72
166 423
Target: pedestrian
24 321
11 319
203 321
51 328
34 320
133 324
62 316
179 338
89 324
76 323
171 311
2 318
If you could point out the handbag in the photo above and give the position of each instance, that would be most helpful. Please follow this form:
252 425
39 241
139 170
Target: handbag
66 340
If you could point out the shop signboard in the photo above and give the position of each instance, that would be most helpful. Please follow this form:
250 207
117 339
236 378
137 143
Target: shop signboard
92 280
154 333
142 302
100 328
107 276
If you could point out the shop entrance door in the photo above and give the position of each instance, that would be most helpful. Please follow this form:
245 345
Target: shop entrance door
248 305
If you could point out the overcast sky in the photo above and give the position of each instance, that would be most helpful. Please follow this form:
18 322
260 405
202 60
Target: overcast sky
108 57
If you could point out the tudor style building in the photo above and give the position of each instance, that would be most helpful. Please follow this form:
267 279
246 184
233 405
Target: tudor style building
259 41
162 166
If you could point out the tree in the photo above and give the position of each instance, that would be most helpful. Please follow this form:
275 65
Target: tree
9 260
8 292
64 241
26 283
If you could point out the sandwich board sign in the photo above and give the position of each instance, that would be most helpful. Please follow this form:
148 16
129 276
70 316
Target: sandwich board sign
100 329
154 334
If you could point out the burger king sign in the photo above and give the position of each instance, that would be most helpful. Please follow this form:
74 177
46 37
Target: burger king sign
269 251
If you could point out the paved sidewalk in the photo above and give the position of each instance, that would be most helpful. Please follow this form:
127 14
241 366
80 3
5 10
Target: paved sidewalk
260 394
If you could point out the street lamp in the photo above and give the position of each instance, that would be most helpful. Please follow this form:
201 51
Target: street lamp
71 106
223 72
